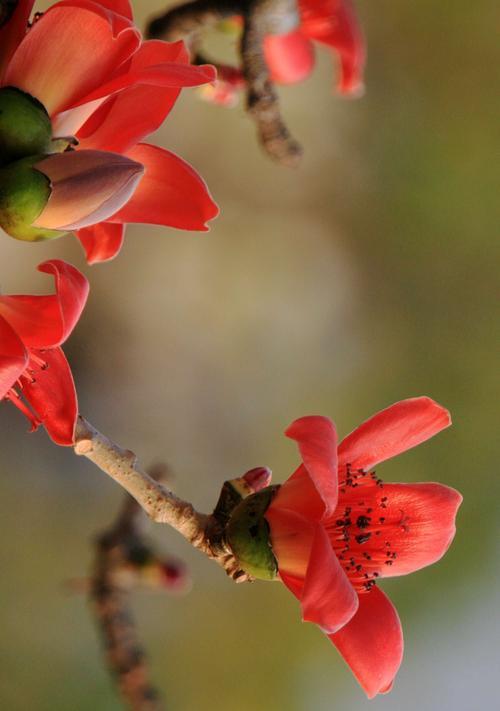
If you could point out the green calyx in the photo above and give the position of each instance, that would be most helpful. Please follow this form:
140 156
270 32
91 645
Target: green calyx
247 533
25 127
24 192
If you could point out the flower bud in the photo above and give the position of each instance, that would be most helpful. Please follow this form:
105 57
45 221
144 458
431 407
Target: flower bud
25 128
44 197
247 534
258 478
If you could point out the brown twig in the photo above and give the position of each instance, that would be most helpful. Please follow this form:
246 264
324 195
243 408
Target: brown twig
125 655
204 532
260 18
186 22
263 18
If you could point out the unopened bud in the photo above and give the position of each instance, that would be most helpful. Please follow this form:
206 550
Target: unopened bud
25 128
258 478
87 187
46 196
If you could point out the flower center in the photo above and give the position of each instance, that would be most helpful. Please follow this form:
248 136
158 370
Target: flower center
362 527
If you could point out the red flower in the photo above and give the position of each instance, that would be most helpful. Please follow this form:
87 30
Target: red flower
34 373
290 55
330 22
86 63
336 529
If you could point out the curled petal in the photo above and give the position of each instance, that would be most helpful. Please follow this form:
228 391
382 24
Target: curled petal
101 242
290 57
171 193
394 430
138 110
69 53
328 598
421 520
334 23
87 187
372 642
317 440
168 75
13 357
120 7
52 396
47 321
299 494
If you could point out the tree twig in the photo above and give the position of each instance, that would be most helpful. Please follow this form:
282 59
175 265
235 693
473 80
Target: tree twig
260 18
263 18
125 654
203 531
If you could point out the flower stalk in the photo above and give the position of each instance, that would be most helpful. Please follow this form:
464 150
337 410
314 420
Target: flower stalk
202 531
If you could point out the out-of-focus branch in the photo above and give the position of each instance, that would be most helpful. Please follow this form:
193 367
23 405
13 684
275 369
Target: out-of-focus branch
260 18
187 21
163 506
109 595
264 17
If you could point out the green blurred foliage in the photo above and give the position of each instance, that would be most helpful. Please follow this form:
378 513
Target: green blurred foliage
366 276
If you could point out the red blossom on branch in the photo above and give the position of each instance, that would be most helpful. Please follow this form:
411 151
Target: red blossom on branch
336 529
34 373
332 23
291 55
86 63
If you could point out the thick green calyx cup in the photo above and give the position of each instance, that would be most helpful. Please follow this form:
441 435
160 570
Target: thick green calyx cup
247 533
25 127
24 192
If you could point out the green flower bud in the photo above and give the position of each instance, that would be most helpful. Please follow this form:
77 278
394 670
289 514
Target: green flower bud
24 193
247 533
25 127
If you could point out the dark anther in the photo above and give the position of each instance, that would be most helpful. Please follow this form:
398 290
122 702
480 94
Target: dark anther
363 521
362 538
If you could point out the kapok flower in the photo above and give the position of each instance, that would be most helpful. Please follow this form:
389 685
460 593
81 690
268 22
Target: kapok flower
334 529
34 373
333 23
90 83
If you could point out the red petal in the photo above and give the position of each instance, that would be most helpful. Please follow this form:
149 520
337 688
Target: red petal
13 357
291 538
167 75
121 7
70 52
101 242
290 57
328 598
53 397
372 642
394 430
420 522
334 23
171 193
138 110
299 494
317 440
13 32
47 321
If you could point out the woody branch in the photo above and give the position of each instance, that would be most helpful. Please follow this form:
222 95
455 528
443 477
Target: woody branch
260 18
203 531
125 655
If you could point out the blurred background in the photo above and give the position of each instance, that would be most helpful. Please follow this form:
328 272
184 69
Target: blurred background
364 277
